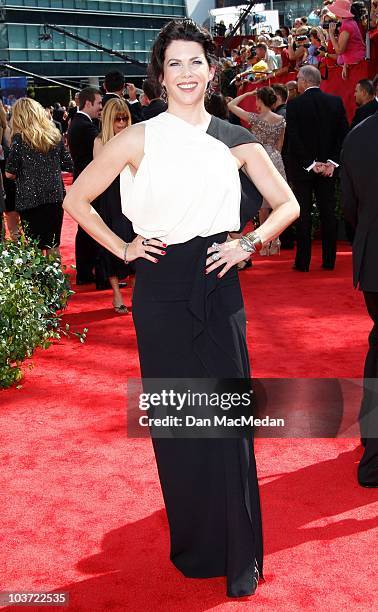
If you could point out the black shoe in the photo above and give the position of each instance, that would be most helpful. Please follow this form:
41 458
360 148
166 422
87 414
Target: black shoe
368 484
328 266
300 268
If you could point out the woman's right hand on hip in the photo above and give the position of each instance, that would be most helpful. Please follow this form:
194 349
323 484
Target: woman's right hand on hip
145 248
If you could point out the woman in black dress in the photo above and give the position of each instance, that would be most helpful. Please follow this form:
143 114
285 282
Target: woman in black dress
36 159
9 191
184 200
115 118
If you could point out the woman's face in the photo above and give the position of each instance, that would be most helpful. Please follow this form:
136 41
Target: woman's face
121 121
186 72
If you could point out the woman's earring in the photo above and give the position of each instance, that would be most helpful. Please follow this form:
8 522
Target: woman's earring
210 90
164 94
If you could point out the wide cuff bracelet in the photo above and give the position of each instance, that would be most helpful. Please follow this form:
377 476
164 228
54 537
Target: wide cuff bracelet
251 242
247 245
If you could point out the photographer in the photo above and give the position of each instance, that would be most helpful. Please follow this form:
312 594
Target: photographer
349 45
297 48
317 45
329 56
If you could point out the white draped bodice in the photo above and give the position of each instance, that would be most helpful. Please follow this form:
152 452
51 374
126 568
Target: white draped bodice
187 184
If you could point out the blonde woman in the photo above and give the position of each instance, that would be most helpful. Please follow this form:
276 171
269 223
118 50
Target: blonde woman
115 118
36 159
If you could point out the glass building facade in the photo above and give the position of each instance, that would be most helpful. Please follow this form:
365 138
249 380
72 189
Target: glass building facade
129 27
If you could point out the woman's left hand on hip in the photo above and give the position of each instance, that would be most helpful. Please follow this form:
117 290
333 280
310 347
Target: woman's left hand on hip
225 255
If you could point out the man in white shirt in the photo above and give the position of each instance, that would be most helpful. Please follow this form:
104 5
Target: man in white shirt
264 53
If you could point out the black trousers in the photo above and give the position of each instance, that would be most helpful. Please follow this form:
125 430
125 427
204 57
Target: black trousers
368 468
324 190
85 255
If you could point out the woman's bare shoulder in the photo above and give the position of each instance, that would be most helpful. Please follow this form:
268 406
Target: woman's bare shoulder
130 142
134 134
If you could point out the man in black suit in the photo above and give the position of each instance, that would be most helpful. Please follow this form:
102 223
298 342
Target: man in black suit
316 128
366 101
58 113
81 136
114 85
359 188
153 105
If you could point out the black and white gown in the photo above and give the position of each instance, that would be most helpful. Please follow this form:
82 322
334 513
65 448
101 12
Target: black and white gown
192 325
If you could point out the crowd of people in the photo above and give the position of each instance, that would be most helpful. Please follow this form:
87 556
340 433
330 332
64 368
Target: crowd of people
278 65
339 38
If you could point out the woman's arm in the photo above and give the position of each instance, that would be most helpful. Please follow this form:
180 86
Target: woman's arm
233 106
272 186
298 53
14 158
125 148
281 71
339 44
285 208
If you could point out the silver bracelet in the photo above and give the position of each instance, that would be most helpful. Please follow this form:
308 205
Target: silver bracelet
251 242
247 245
125 252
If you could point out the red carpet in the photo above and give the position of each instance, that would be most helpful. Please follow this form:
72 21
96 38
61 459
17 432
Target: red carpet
81 504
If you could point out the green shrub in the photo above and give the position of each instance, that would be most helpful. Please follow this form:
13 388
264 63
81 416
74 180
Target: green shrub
33 291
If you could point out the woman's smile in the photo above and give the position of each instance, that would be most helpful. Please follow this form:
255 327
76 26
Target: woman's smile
187 86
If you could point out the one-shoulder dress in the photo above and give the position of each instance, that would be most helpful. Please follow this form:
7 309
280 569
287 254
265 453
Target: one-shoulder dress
192 325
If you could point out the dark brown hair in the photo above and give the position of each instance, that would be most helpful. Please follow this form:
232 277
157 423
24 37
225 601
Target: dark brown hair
216 105
267 96
88 94
152 88
181 29
281 90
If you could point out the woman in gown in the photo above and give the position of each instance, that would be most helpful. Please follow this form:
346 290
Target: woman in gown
269 129
188 311
115 118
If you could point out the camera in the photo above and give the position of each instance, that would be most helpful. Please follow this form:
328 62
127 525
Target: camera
319 49
326 24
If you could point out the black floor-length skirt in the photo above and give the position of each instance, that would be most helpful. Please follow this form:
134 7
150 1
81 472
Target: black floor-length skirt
192 325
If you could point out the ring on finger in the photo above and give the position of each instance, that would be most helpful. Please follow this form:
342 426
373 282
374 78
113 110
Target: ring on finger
215 245
145 242
216 256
